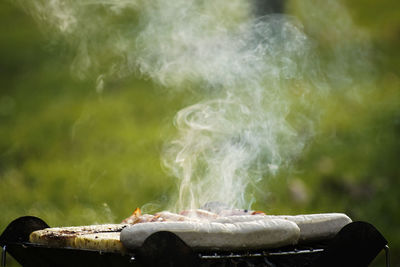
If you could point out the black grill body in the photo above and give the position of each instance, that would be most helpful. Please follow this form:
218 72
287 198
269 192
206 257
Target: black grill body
357 244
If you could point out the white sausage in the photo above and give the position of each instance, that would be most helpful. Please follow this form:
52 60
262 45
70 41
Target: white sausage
317 226
266 233
312 226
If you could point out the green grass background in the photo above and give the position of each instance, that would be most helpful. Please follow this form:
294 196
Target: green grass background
72 156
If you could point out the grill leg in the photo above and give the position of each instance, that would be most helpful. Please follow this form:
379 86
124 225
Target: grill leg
3 256
387 253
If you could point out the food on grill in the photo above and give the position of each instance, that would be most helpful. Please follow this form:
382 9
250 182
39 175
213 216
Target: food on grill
199 214
53 237
263 233
71 236
224 229
240 218
138 217
170 216
187 215
317 226
224 210
312 226
109 242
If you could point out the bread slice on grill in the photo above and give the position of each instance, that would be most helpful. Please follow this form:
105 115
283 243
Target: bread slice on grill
53 237
104 237
100 241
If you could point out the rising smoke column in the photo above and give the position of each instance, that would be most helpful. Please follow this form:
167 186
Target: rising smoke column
257 78
247 70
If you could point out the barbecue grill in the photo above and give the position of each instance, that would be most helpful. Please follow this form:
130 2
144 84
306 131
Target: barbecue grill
356 244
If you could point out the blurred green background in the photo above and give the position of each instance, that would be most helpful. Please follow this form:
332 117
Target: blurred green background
73 156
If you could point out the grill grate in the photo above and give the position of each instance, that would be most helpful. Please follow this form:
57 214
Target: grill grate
259 254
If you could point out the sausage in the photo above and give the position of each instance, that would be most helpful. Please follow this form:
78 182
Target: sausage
264 233
315 227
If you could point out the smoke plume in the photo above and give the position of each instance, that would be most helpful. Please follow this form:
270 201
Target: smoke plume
258 77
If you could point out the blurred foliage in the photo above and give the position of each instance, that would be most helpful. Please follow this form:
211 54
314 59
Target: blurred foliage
73 156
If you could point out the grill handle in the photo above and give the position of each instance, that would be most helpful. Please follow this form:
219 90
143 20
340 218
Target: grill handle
17 232
356 244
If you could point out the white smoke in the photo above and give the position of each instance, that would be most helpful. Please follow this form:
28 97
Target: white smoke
257 78
246 69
